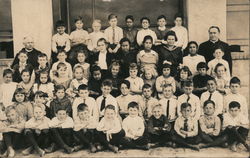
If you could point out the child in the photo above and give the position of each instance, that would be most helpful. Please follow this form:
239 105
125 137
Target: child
6 96
110 130
95 35
43 66
95 82
214 95
165 78
183 75
61 128
26 84
161 30
60 41
136 82
193 100
23 107
61 75
83 93
37 131
130 31
236 126
210 126
149 77
113 34
193 59
44 84
61 56
181 32
145 22
133 125
84 127
158 126
81 56
18 68
218 54
147 58
61 101
221 79
234 95
186 128
42 98
200 80
106 98
12 129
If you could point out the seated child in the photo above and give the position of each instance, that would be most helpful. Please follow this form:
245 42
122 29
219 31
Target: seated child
221 79
110 130
95 82
81 56
236 126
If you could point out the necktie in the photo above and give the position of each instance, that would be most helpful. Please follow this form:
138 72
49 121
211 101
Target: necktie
167 114
188 98
113 36
210 96
103 103
145 114
84 100
185 125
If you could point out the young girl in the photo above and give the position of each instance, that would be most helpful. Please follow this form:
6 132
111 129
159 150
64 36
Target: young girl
165 78
26 84
61 76
95 82
147 57
81 56
44 84
149 77
183 75
78 78
221 79
42 98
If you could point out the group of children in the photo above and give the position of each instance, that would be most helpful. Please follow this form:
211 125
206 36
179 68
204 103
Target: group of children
107 91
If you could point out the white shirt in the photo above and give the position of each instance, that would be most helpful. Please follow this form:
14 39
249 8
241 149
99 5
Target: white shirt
142 33
123 101
89 123
94 37
192 61
38 124
46 88
161 81
60 40
74 84
111 126
109 34
109 100
79 35
135 83
54 69
211 65
7 92
134 124
182 36
102 60
172 115
67 123
239 120
85 66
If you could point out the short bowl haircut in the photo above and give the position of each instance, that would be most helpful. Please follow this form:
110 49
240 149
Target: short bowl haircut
41 94
102 40
78 67
188 83
219 47
193 42
185 105
133 66
82 107
40 55
126 82
148 37
235 80
234 104
146 86
79 18
217 66
7 71
19 91
201 65
112 16
185 69
166 65
95 68
178 15
170 33
61 64
83 87
208 102
161 17
82 51
109 106
107 82
9 108
22 52
61 108
60 23
167 85
25 70
133 105
115 63
131 17
210 78
124 39
216 27
145 18
61 51
157 106
59 87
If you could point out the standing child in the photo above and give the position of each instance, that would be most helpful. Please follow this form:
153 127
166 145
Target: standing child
184 74
43 66
221 79
26 84
130 31
82 56
61 75
95 82
161 30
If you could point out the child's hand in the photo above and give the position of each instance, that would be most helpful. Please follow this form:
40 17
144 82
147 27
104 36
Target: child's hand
109 136
12 126
156 128
183 132
230 126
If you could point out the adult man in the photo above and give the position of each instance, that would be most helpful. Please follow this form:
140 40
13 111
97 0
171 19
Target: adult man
207 48
28 43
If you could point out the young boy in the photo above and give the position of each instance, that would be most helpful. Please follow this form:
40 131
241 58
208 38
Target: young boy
161 30
130 31
95 82
200 80
186 128
214 95
110 130
236 126
136 82
84 126
60 41
61 128
43 66
106 98
113 33
210 126
134 128
236 96
37 131
189 97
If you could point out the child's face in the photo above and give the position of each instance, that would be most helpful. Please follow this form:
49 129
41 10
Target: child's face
26 77
78 73
102 46
39 113
113 22
166 72
43 78
211 86
12 115
115 70
60 93
106 90
125 46
19 97
148 75
218 54
147 92
145 24
220 71
167 92
124 89
129 23
81 57
234 111
42 61
234 88
133 112
202 71
7 78
209 109
61 56
109 114
61 115
171 40
62 71
133 73
162 22
192 49
79 24
184 75
83 115
97 75
84 93
60 29
186 112
148 44
39 99
178 21
22 57
157 112
96 27
188 90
